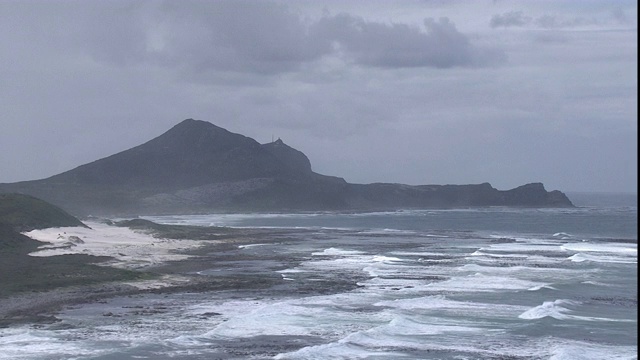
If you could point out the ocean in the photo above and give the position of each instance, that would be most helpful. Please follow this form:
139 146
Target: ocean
488 283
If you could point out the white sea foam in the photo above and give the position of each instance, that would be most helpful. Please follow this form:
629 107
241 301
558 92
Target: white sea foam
380 285
554 309
337 252
540 287
589 351
372 344
482 253
625 249
251 245
562 235
528 272
524 246
418 253
558 310
603 259
26 343
291 271
337 350
483 283
296 317
385 259
392 269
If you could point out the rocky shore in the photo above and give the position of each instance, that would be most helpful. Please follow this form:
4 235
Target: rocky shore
24 301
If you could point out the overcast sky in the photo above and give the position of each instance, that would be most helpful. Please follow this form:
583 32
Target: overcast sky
415 92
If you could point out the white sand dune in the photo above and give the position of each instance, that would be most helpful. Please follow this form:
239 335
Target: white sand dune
129 249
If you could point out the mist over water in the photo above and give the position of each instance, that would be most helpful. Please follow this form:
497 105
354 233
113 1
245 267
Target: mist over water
612 200
493 283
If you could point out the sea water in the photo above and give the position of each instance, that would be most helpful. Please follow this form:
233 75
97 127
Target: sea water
489 283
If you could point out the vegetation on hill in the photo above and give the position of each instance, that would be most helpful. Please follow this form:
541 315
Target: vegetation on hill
25 213
20 272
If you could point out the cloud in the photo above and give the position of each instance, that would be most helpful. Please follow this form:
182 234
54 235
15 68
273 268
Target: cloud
400 45
259 37
201 38
600 17
512 18
371 93
555 22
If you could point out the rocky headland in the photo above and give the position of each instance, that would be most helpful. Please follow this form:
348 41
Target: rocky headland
198 167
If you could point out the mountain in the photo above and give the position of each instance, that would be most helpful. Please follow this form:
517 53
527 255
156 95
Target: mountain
197 167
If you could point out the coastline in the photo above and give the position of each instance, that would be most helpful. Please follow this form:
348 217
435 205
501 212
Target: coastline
163 264
128 249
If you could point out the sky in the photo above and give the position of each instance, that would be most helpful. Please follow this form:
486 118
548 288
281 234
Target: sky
410 91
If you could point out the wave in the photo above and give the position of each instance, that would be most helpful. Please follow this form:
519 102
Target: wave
251 245
602 259
337 252
557 309
13 343
613 248
562 235
482 283
552 309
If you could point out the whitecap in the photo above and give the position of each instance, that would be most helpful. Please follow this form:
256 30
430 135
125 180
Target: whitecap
25 343
482 283
251 245
385 259
579 257
557 310
612 248
337 252
549 309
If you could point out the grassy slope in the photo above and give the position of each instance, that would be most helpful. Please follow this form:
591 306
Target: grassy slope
24 213
20 272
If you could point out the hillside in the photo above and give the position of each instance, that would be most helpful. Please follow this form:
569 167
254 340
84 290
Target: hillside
197 167
24 213
21 273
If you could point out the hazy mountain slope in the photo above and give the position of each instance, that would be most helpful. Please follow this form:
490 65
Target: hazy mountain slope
197 167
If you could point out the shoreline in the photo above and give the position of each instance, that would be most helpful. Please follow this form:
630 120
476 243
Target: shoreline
128 249
38 308
164 264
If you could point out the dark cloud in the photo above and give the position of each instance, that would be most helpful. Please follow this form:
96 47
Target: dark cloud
401 45
268 38
512 18
256 37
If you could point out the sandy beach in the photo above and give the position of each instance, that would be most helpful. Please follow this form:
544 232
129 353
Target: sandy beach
129 249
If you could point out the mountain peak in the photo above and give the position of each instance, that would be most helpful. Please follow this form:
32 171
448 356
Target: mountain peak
192 123
293 159
191 153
